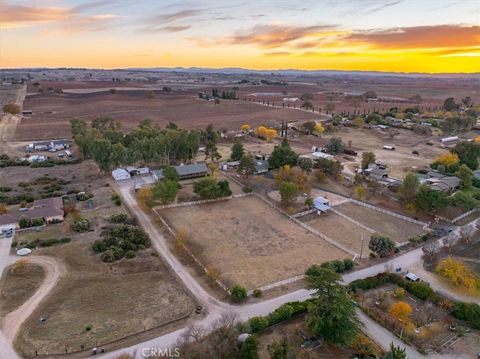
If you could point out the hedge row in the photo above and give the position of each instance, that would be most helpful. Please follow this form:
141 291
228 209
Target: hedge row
337 265
284 312
469 312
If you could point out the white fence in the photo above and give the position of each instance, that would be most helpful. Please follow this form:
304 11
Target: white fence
308 228
203 201
368 229
390 213
460 217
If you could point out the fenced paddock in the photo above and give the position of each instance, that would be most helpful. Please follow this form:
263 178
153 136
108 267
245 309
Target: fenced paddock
397 228
248 242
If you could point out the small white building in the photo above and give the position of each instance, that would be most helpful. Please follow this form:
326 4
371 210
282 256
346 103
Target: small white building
318 155
321 204
120 174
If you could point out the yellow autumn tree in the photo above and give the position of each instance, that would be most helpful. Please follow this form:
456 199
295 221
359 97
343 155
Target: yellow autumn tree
245 128
456 272
145 194
448 159
401 311
20 266
270 134
301 179
477 139
3 208
260 131
284 174
319 128
360 192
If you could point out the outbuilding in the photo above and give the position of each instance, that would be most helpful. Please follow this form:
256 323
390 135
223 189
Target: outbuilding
120 174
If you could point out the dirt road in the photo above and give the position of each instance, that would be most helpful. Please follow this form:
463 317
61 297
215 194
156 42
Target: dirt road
14 320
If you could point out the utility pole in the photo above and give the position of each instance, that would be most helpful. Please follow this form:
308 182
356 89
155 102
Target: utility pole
361 249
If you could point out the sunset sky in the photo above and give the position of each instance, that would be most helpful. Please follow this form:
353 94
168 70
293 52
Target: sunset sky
388 35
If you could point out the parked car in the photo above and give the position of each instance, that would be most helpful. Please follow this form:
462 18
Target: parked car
412 277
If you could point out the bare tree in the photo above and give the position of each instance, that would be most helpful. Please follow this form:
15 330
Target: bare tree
466 234
430 251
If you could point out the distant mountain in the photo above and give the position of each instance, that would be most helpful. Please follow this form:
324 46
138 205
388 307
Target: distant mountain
296 72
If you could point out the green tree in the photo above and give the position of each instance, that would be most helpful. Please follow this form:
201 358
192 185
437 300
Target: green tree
395 352
78 126
210 139
170 173
332 315
466 175
165 191
237 151
367 158
429 200
334 145
288 193
24 222
246 166
468 153
449 104
306 164
281 350
238 293
249 348
408 189
282 155
382 246
309 126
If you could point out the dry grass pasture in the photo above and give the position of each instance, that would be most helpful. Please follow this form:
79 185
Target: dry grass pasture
17 286
344 232
395 228
248 242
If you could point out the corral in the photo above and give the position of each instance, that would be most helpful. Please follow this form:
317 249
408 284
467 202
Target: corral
397 229
248 242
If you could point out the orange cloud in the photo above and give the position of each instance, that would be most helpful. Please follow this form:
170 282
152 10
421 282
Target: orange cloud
20 14
440 36
271 36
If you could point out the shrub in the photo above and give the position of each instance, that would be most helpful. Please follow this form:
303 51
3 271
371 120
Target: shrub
130 254
238 293
83 196
348 263
80 224
257 324
257 293
280 314
11 108
399 293
37 222
382 246
118 218
421 290
247 189
24 222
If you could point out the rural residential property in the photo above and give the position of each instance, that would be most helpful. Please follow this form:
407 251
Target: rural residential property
240 180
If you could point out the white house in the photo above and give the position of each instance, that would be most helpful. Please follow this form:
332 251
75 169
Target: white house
120 174
321 204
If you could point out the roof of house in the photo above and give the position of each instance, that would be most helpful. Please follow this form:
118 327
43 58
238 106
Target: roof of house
186 170
120 173
445 183
47 207
261 166
433 174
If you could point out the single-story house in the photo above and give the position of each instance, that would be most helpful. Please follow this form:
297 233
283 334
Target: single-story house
447 183
134 171
261 166
375 171
321 204
54 145
50 210
185 171
317 155
120 174
192 171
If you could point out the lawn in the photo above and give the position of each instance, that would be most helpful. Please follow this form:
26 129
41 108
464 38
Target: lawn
247 242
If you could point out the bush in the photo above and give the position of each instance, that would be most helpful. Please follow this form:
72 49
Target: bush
37 222
257 324
420 290
238 293
382 246
120 241
118 218
348 263
257 293
11 108
247 189
24 222
84 196
80 224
